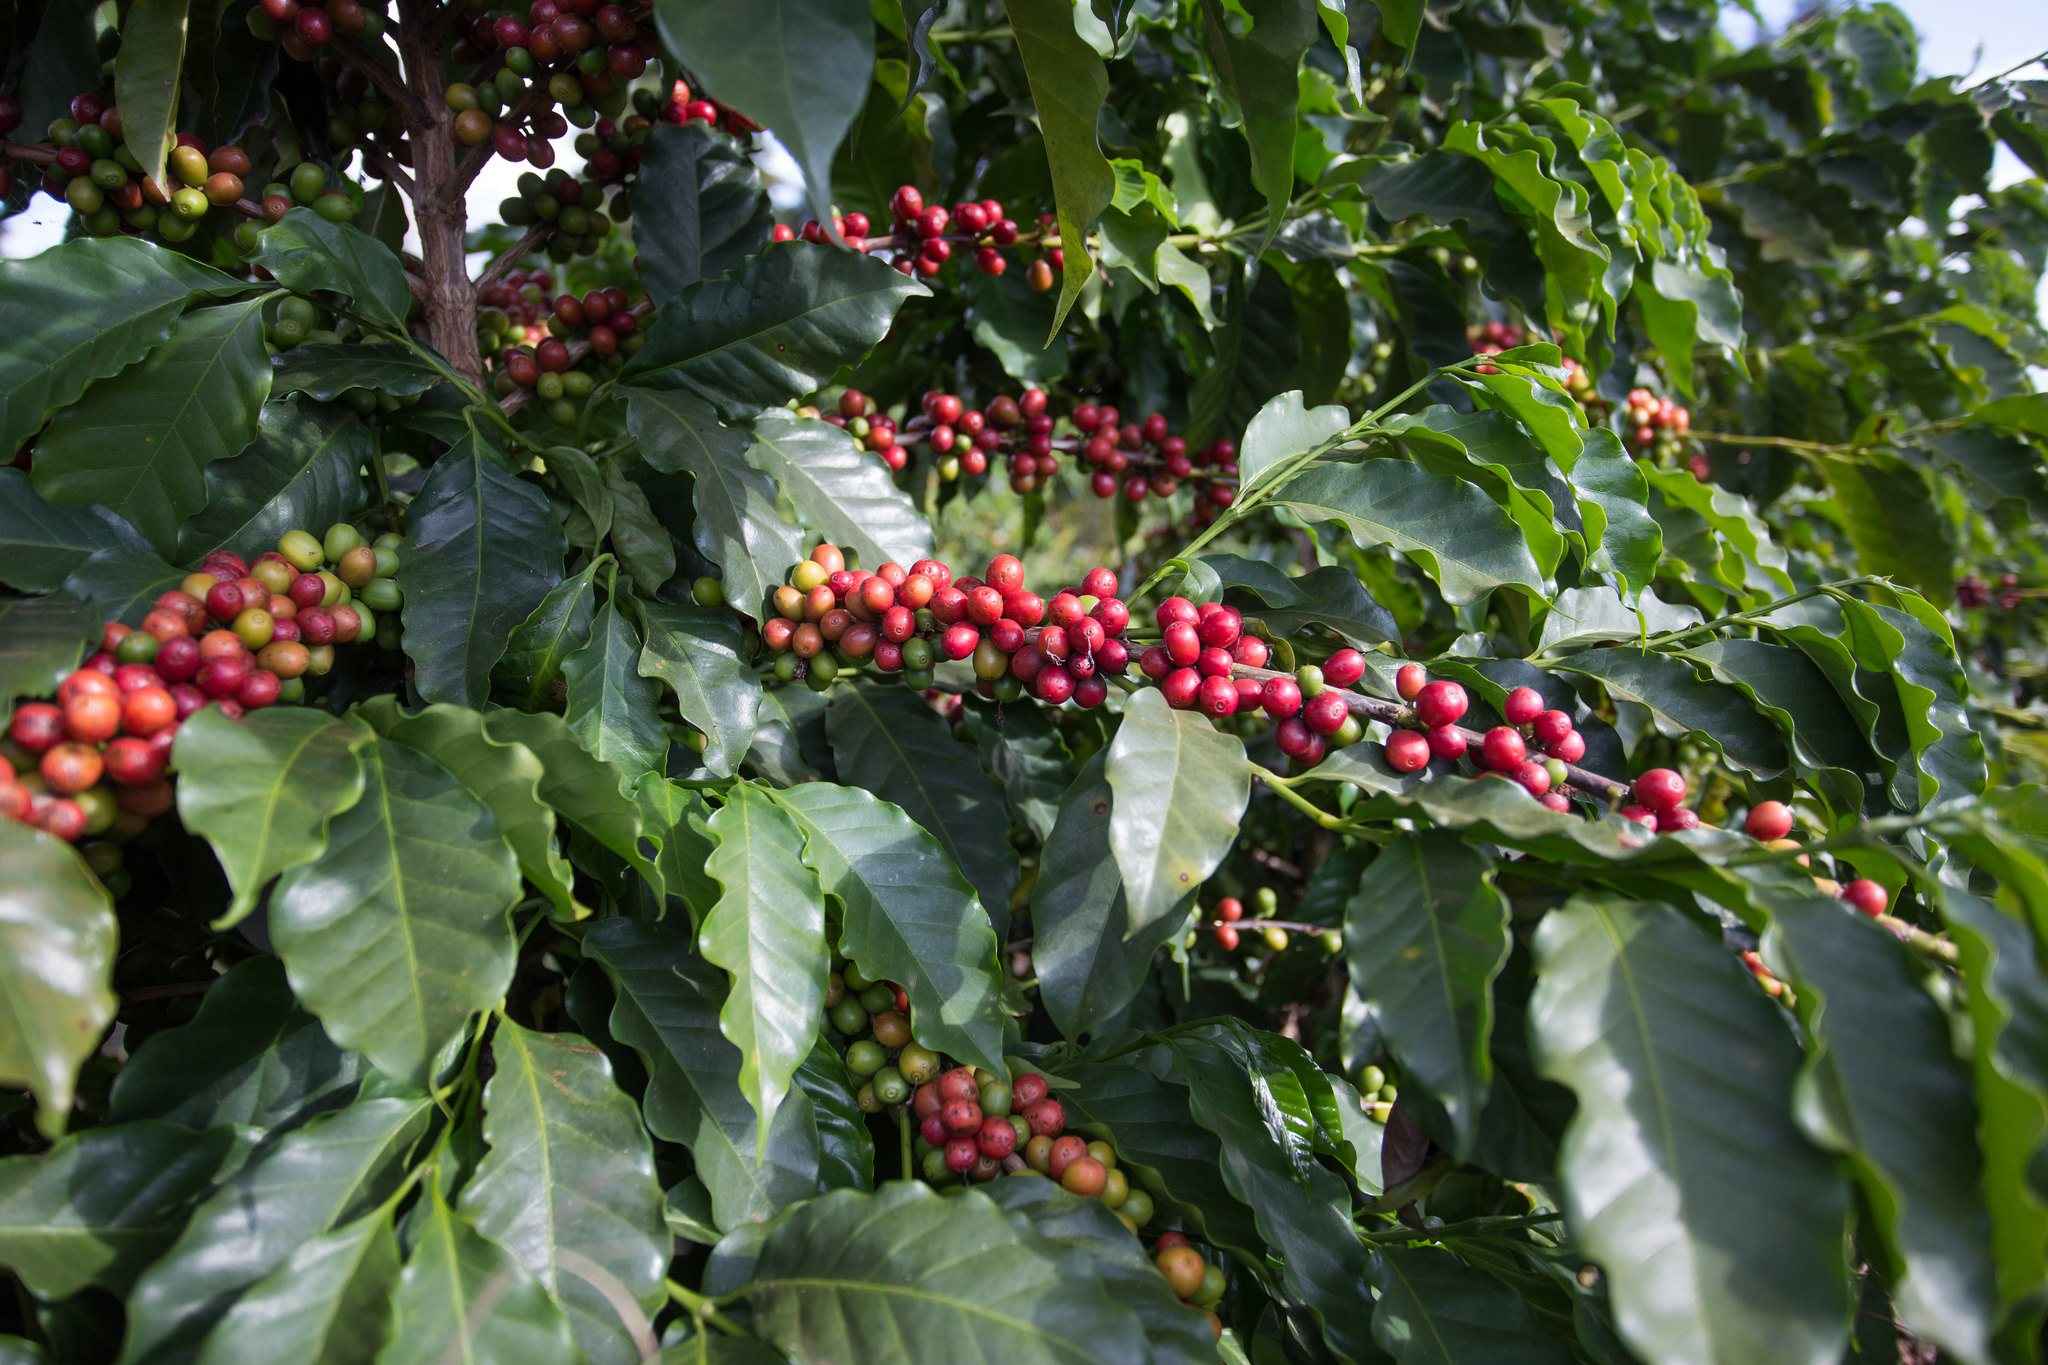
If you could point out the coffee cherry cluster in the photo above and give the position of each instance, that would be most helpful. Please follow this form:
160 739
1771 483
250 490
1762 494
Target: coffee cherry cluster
1230 925
1494 337
575 210
561 359
681 108
1137 459
1657 427
235 635
303 27
1193 1279
830 619
1770 822
1377 1094
1973 592
1509 749
922 237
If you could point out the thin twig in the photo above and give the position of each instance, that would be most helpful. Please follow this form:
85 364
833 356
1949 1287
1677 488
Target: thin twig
502 264
405 104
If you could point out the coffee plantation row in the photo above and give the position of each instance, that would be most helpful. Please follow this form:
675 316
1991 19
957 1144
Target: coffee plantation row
1257 682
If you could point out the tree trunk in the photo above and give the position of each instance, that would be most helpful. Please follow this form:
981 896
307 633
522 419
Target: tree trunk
448 305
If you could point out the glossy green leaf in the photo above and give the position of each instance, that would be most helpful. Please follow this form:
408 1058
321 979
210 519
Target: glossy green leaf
1882 1086
1260 69
83 311
1025 752
669 1000
328 1302
1181 788
1117 1260
777 55
264 788
1425 935
695 651
1285 428
1089 966
147 76
1453 531
123 584
2022 412
1434 1310
505 777
640 540
920 1278
398 930
304 469
251 1057
568 1188
677 818
41 640
57 936
101 1205
40 542
1682 703
840 490
321 1177
1302 1210
611 706
481 550
583 789
141 443
307 253
768 932
910 917
1068 87
846 1148
464 1298
326 372
737 526
775 328
1892 511
887 741
1912 642
1685 306
1718 1226
1136 1103
1330 596
1732 519
531 669
701 209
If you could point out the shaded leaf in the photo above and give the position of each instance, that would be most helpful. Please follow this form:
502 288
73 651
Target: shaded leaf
326 372
583 789
887 741
696 652
1433 1310
526 676
464 1298
327 1303
1425 935
840 490
40 542
1181 789
141 445
146 78
481 550
910 917
701 208
1068 86
57 937
304 469
262 790
1718 1226
611 706
398 931
568 1187
42 639
307 253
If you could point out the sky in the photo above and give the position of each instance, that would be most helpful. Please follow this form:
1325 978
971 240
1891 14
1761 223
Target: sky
1975 38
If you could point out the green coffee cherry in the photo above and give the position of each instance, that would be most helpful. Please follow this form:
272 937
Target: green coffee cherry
339 540
866 1057
891 1086
849 1018
877 997
1268 902
868 1100
301 551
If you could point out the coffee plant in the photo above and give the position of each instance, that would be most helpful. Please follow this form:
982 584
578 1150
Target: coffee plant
1281 681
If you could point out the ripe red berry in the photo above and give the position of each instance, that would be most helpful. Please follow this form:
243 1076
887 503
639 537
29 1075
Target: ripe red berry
1682 818
1054 685
1183 643
1867 896
958 1084
1281 697
1005 575
1047 1117
960 1116
1446 742
1065 1152
1176 609
1522 706
1407 751
1220 629
1213 663
961 1154
996 1138
1293 737
1551 726
1440 703
1218 697
1769 820
1344 668
1502 750
1557 801
1534 776
1226 938
906 203
1660 789
1409 681
1324 713
36 726
1642 815
1571 748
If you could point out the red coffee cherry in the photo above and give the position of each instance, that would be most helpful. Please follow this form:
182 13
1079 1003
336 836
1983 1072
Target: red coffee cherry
1522 706
1324 713
961 1116
1571 748
996 1138
1047 1117
1769 820
1533 776
1407 751
1440 703
961 1154
1344 668
1446 742
1065 1152
1293 737
1217 698
1867 896
1503 750
1409 681
1551 726
1220 629
1660 789
1281 697
1642 815
1027 1090
1681 818
1176 609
